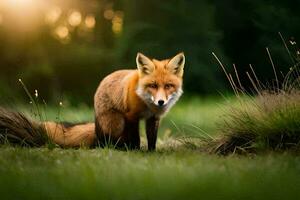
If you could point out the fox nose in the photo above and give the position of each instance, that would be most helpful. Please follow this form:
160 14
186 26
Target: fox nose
161 102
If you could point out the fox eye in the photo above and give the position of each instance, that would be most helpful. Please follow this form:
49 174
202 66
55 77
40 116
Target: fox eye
153 85
168 86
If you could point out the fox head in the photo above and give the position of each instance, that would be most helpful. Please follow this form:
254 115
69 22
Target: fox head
160 82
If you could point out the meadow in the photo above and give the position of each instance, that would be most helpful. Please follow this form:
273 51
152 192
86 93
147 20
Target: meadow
177 170
244 145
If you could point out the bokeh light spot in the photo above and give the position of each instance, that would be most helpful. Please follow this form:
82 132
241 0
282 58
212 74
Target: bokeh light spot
62 32
90 21
108 14
117 22
53 15
75 18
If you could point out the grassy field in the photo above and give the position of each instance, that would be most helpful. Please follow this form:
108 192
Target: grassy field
190 116
172 172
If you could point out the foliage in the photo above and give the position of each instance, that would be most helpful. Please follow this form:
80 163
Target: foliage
72 63
169 30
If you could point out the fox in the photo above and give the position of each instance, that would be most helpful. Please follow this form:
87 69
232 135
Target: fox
125 97
122 99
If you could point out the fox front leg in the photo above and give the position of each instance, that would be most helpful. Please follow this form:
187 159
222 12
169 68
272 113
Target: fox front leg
152 125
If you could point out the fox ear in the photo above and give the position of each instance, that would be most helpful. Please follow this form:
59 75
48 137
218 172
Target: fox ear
144 64
176 64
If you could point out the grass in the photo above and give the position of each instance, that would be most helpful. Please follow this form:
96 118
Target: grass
189 114
110 174
172 172
181 168
268 120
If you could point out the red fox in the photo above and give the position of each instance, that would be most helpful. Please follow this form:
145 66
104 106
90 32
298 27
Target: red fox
126 96
122 99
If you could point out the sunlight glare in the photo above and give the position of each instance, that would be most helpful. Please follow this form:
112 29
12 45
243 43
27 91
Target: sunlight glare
21 15
18 4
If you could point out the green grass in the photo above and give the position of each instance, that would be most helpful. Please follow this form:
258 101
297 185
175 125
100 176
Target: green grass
270 121
189 116
174 171
111 174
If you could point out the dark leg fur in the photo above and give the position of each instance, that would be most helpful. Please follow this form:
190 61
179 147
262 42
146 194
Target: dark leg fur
152 125
132 135
103 139
130 138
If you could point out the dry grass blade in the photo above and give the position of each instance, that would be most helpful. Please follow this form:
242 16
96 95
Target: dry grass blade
224 70
238 78
286 47
254 74
273 66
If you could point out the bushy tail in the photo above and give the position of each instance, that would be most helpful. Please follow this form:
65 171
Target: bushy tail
15 128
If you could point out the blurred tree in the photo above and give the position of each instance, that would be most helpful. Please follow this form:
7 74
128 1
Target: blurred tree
64 48
251 26
161 29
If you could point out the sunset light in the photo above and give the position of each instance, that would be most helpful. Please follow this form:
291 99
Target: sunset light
20 15
15 4
21 7
28 18
121 99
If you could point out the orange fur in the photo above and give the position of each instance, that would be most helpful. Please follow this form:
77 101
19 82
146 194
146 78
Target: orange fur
75 136
126 96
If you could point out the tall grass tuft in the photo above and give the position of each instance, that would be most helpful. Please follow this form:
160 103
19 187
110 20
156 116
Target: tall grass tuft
270 120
